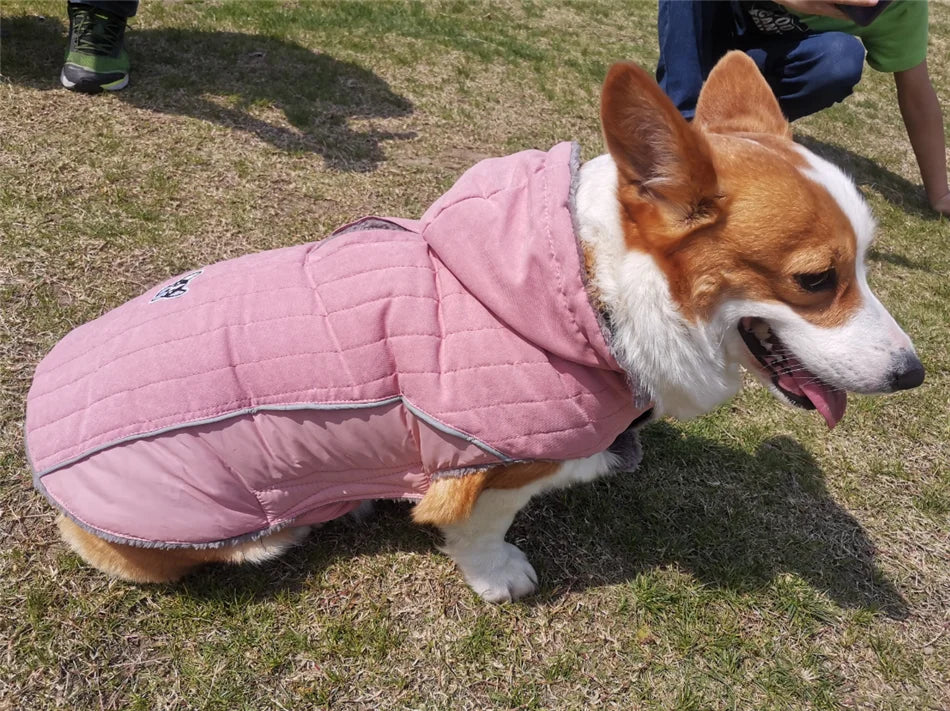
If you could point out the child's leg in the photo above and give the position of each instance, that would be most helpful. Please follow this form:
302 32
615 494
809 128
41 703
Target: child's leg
812 73
692 36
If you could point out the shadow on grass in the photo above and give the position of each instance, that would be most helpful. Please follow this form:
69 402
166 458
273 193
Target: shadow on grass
732 520
221 77
387 529
897 190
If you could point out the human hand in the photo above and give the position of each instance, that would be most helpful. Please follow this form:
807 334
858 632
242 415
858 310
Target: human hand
824 7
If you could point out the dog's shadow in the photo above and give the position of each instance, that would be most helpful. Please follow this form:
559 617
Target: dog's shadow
894 188
387 529
897 190
231 78
730 519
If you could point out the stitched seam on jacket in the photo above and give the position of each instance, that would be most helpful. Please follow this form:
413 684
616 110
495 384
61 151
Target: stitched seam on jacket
170 342
564 429
459 202
275 319
164 420
102 344
164 315
86 352
388 267
219 406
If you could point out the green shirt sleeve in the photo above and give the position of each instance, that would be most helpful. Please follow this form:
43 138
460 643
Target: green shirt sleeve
895 41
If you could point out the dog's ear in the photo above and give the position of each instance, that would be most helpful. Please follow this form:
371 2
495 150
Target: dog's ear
664 164
737 99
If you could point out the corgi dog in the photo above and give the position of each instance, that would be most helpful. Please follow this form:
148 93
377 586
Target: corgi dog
702 248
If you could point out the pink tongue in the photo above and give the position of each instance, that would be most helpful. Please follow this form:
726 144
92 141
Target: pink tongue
830 403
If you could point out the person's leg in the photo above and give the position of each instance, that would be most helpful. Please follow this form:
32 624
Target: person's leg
96 59
692 36
812 73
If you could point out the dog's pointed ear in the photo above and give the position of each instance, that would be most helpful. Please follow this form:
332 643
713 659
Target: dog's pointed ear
737 99
663 162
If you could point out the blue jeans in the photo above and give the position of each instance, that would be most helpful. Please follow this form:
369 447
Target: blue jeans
808 71
123 8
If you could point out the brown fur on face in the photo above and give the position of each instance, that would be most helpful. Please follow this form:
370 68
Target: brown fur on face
779 225
722 205
590 269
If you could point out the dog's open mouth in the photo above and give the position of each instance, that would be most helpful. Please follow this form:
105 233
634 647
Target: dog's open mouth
799 386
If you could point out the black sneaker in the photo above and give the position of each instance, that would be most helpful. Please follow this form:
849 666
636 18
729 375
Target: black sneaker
96 59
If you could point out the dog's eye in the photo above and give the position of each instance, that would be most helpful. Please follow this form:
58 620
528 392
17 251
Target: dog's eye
819 281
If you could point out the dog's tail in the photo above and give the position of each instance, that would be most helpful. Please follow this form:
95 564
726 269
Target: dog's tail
163 565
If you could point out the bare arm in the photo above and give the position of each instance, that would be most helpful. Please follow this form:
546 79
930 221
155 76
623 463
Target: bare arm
823 7
923 119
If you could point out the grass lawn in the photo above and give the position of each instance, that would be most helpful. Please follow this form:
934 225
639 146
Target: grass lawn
755 561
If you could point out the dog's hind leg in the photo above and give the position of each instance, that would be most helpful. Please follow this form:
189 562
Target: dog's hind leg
161 565
263 549
140 565
475 511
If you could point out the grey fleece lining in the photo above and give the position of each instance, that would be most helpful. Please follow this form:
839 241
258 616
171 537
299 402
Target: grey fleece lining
367 223
140 543
641 398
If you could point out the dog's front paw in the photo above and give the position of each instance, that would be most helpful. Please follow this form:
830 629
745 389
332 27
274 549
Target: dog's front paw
499 573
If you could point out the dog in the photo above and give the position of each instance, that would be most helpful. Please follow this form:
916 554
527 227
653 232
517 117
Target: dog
510 342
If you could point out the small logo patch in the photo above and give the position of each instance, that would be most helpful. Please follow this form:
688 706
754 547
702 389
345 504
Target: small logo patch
179 288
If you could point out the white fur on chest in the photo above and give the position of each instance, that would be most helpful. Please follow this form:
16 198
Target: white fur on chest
684 366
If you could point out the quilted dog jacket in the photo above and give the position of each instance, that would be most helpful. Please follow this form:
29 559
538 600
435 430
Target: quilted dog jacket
289 385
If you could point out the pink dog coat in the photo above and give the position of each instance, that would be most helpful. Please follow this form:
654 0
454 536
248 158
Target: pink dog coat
288 386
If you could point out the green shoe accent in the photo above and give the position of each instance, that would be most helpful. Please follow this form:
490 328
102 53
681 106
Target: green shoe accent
96 59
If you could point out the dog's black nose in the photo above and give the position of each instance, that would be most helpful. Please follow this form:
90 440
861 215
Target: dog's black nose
908 372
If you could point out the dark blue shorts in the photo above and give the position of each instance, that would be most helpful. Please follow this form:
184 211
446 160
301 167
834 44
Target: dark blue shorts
808 71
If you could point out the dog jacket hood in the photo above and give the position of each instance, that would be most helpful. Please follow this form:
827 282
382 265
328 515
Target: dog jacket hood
289 385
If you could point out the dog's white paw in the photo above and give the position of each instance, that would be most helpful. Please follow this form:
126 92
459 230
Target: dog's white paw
498 573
